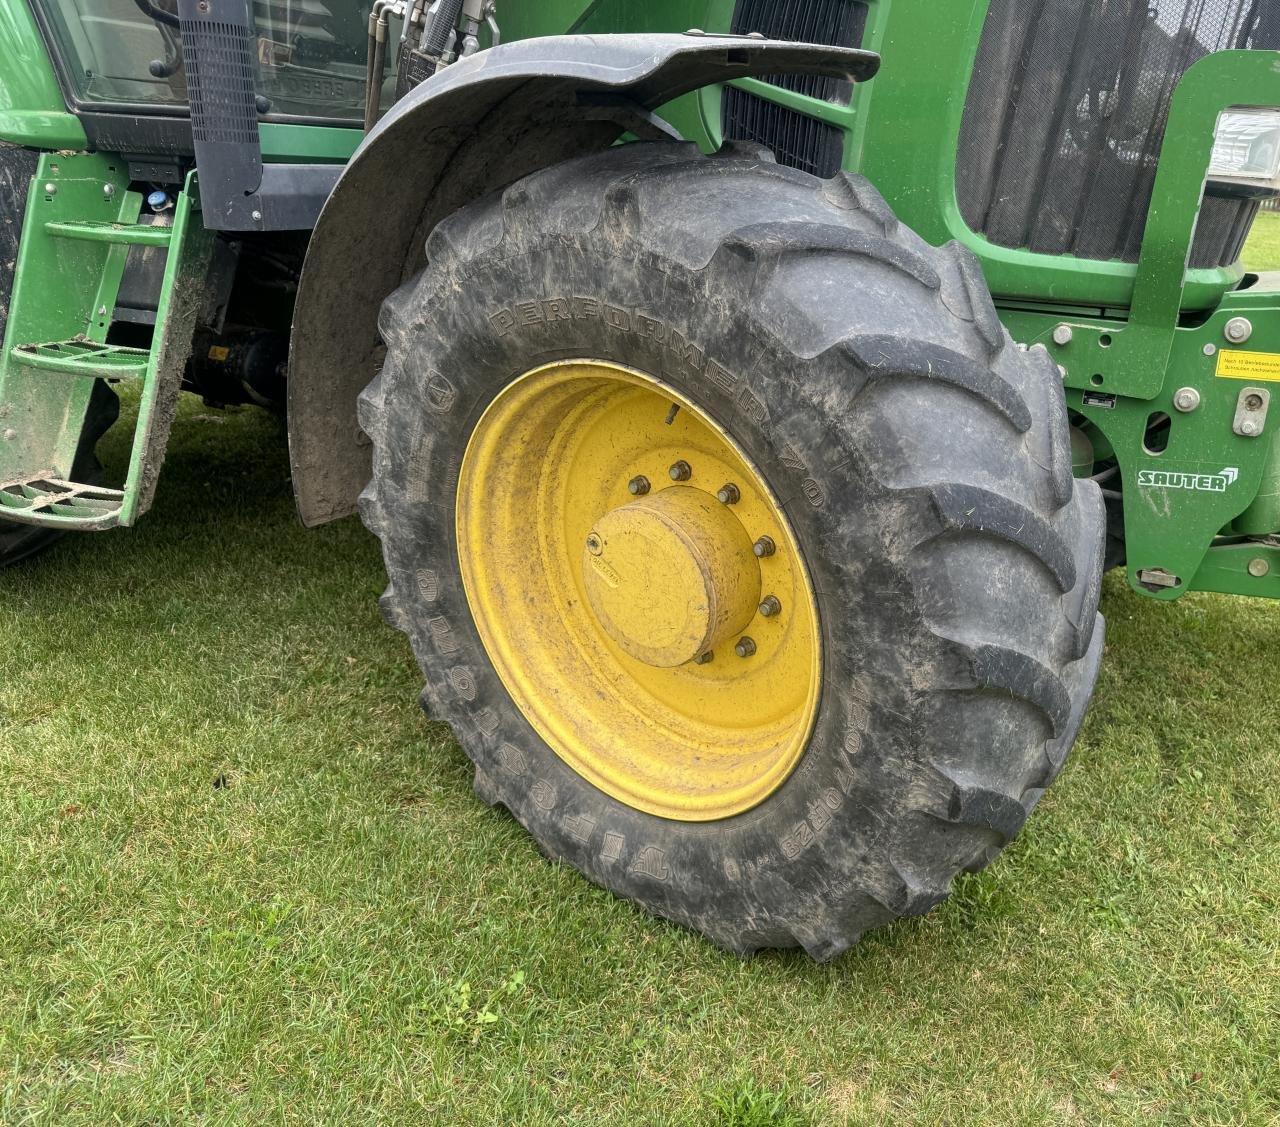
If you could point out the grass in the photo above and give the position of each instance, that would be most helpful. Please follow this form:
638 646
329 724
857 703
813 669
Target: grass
1262 251
244 880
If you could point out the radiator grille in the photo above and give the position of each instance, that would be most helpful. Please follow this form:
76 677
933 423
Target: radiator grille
797 139
1066 112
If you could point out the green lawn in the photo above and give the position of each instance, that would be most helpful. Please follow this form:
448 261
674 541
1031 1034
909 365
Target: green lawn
245 881
1262 251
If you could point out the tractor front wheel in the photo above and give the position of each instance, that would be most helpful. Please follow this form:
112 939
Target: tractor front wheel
738 542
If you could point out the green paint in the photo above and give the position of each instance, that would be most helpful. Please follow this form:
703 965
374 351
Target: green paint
185 267
32 111
308 144
59 285
80 224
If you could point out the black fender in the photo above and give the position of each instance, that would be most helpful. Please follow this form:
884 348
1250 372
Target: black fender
474 128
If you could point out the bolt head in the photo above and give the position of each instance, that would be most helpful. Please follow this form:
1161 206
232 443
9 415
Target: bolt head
10 434
108 190
51 189
1259 567
1249 427
1210 348
728 494
1186 399
763 547
770 606
594 546
745 647
1062 335
1238 330
704 658
257 217
638 486
680 471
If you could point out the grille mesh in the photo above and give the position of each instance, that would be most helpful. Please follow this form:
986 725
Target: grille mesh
797 139
1066 113
220 82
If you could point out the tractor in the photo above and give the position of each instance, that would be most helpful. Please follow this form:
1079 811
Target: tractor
746 434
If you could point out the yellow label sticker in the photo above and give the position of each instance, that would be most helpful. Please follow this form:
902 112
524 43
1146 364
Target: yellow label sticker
220 352
1236 365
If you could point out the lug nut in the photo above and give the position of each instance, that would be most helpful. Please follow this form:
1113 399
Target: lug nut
763 547
704 658
680 471
593 544
745 647
638 486
728 494
770 606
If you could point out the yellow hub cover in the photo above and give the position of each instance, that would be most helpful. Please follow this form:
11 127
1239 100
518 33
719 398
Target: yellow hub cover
638 590
670 576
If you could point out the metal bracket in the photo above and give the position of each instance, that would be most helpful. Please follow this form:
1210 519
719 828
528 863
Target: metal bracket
1251 411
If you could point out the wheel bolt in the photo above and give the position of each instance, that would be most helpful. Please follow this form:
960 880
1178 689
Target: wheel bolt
763 547
594 546
1238 330
745 647
680 471
704 658
638 486
770 606
728 494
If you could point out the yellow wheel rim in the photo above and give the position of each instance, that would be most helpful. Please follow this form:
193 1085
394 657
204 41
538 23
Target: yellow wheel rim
663 641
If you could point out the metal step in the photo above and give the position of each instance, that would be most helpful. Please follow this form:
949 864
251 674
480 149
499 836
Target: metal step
51 501
127 234
78 237
82 357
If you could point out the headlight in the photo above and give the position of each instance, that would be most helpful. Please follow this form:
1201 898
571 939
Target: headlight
1246 150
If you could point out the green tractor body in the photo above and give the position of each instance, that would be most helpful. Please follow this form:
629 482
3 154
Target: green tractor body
212 196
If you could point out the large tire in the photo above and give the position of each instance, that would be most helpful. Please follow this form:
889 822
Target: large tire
925 463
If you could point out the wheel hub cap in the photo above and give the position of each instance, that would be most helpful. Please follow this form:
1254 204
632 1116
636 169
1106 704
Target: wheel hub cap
671 576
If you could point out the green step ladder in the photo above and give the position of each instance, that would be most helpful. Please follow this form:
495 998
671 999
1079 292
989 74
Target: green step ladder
80 225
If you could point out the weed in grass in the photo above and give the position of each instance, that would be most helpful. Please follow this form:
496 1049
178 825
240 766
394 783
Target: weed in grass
462 1014
747 1104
